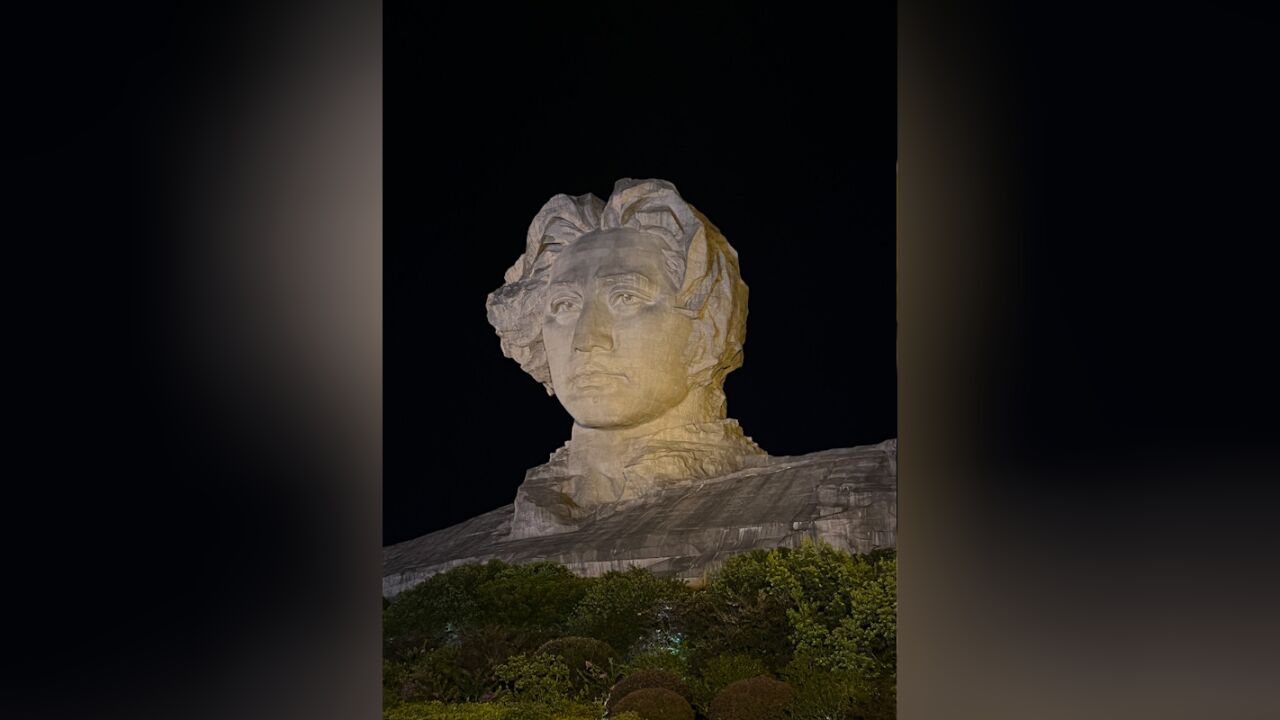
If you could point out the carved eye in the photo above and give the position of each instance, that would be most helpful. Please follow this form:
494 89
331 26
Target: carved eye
627 299
563 305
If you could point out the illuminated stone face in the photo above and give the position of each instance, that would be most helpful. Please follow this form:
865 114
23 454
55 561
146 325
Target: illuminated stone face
617 347
629 311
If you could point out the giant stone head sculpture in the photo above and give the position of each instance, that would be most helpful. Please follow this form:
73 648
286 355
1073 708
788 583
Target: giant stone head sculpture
631 312
627 310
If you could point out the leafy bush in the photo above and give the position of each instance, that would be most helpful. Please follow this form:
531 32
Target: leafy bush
824 693
738 614
433 676
840 610
844 628
575 711
820 618
538 596
441 711
539 678
535 599
676 663
647 679
631 608
590 662
719 672
656 704
492 711
844 607
757 698
528 711
480 650
462 671
426 616
393 680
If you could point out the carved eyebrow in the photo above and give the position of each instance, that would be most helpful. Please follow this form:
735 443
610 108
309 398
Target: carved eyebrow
631 278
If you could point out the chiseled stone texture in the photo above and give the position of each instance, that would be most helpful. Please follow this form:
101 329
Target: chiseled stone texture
846 497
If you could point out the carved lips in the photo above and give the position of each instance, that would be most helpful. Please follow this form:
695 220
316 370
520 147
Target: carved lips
595 376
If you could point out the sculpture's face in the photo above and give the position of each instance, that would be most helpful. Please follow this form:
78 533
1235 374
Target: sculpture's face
616 346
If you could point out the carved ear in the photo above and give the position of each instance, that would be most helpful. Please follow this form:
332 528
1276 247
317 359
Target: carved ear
700 341
720 305
706 340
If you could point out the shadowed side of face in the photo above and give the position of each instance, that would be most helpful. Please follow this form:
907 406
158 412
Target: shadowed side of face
616 346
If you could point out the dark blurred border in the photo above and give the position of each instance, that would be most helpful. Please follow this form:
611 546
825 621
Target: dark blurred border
192 524
1087 379
1087 383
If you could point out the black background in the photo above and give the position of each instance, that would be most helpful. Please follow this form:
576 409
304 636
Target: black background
164 559
781 130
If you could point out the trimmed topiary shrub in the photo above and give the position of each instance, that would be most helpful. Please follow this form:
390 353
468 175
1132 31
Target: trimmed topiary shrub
757 698
590 663
718 672
642 679
655 704
820 693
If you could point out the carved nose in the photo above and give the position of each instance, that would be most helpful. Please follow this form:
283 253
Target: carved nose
594 329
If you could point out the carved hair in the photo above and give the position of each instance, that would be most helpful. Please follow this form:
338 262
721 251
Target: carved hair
698 258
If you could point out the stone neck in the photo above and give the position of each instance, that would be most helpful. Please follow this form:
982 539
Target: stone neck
599 470
600 448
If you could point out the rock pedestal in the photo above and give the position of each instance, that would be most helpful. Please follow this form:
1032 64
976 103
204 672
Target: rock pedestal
845 497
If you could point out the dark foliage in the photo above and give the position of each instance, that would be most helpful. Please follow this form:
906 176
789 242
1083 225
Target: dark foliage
656 704
632 610
647 679
822 619
741 614
591 663
757 698
535 600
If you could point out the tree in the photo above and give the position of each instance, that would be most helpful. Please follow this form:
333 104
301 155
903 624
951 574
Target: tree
740 614
843 621
534 600
632 610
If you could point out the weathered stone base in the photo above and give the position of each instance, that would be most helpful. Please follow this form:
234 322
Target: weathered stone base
845 497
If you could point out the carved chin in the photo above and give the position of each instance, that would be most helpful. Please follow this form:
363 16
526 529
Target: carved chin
603 410
600 417
607 402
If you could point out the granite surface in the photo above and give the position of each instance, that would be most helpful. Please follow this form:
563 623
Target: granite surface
846 497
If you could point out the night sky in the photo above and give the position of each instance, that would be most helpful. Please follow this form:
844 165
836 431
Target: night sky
780 129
